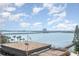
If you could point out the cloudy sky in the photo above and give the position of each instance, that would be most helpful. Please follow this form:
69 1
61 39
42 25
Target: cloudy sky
34 16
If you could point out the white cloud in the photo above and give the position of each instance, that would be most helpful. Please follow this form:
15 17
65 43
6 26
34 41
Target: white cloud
48 5
36 10
57 9
54 10
37 26
2 22
10 9
61 24
3 18
7 7
37 23
5 14
61 15
66 25
6 10
67 21
53 21
33 26
3 6
19 4
24 24
17 17
58 22
13 17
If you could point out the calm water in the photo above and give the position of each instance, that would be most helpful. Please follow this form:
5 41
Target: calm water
56 39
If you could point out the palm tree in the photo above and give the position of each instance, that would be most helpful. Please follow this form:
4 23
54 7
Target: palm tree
8 39
27 43
14 37
23 39
18 38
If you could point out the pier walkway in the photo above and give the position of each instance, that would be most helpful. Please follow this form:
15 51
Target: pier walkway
32 49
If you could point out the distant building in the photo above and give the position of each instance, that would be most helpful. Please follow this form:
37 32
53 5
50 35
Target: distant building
44 30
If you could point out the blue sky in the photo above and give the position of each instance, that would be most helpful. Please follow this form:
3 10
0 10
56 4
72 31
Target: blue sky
36 16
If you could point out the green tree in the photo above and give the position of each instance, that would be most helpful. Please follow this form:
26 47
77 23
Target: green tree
18 38
14 37
4 39
76 40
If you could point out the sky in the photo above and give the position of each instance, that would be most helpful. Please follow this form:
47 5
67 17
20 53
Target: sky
37 16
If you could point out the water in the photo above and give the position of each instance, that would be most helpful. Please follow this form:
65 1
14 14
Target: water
55 39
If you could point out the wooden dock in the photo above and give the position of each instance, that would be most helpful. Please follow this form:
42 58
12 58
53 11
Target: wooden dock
22 49
32 49
51 52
